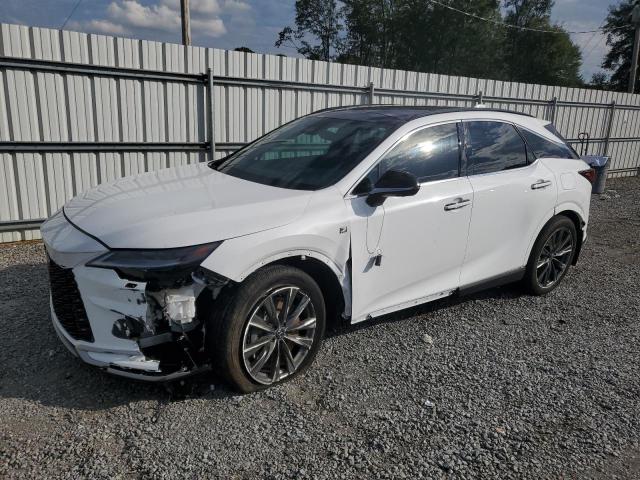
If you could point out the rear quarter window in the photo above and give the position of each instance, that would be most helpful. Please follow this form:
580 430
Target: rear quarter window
545 148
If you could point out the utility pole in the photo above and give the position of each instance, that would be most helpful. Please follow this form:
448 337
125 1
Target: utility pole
635 19
186 22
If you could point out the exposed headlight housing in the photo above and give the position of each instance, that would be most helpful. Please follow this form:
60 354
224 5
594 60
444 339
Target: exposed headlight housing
156 264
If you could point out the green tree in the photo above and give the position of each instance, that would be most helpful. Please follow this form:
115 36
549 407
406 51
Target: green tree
421 35
539 57
620 42
599 81
454 37
370 32
437 39
316 20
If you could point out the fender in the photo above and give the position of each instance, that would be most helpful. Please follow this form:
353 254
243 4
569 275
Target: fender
571 206
238 258
342 273
563 207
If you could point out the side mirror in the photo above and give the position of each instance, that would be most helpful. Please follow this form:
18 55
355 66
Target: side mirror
393 183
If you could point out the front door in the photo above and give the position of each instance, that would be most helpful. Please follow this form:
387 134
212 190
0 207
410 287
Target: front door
410 249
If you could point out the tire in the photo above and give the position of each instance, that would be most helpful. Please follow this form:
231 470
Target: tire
557 233
247 319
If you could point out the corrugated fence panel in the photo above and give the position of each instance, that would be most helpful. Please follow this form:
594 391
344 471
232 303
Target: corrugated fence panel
51 105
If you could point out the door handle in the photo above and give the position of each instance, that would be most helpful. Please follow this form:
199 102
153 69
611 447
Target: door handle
541 184
459 203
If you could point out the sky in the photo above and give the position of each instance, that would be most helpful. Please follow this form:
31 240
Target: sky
243 23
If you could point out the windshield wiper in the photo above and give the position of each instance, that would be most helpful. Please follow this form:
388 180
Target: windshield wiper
216 164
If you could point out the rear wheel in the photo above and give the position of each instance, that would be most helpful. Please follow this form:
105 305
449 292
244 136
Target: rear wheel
551 256
270 330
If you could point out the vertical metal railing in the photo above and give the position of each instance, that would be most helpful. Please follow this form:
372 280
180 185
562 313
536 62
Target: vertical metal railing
211 115
553 108
612 114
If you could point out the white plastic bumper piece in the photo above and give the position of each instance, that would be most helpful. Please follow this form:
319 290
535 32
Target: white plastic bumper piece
93 354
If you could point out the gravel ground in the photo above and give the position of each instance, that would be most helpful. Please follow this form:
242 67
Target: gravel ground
498 384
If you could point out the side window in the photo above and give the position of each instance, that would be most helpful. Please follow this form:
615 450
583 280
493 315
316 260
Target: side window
430 154
493 147
546 148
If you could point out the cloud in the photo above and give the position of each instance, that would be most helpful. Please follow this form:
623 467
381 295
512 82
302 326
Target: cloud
237 5
212 27
102 26
128 17
130 13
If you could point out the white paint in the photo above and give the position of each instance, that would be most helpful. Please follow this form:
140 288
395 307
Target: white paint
181 206
422 246
427 251
506 214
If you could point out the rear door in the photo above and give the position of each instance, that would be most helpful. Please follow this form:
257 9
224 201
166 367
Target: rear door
411 248
513 196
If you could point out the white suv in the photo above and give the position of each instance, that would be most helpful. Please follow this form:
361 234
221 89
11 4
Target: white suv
353 212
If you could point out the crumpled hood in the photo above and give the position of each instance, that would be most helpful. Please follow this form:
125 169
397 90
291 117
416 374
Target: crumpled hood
181 206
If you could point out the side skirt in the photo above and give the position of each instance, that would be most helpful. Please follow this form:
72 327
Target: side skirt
402 306
503 279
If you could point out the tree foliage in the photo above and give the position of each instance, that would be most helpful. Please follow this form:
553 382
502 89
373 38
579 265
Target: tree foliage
320 19
620 42
548 58
426 36
599 81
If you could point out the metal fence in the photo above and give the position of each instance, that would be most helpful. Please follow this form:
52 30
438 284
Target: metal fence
77 110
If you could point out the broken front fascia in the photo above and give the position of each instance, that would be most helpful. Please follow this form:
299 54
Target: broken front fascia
147 311
132 335
167 319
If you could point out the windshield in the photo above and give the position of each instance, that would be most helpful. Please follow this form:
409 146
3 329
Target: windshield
312 152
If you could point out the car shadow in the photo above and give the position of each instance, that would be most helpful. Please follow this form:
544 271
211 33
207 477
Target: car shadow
341 327
35 366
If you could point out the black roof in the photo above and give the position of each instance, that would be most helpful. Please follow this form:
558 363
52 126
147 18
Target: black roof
403 113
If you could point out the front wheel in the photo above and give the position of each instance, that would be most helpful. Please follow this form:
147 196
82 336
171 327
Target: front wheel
551 256
270 329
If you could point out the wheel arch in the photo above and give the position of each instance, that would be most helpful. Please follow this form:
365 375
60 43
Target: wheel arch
334 282
333 290
579 223
573 215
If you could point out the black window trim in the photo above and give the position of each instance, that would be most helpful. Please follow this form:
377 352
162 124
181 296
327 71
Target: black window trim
562 142
459 128
497 120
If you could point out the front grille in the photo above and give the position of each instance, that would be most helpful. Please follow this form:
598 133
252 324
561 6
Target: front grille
67 303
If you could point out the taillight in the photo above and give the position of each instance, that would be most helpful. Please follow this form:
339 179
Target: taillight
589 174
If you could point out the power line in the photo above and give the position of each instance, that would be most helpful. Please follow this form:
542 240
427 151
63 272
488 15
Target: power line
508 25
593 36
586 54
595 45
71 14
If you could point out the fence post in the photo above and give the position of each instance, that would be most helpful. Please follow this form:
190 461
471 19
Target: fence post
554 108
612 113
211 114
479 98
372 92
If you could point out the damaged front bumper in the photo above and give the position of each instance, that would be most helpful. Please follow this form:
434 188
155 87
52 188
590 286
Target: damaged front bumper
131 328
127 363
108 300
